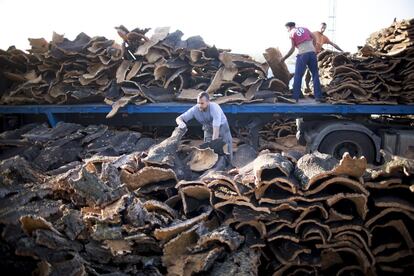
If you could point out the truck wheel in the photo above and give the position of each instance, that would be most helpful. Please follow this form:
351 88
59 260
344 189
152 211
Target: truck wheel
357 144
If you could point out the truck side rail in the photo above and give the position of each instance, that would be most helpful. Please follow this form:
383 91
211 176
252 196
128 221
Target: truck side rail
301 109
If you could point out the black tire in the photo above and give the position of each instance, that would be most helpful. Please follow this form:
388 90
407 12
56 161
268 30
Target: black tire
356 143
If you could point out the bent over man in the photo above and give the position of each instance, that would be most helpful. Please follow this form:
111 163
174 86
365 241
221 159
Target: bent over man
211 117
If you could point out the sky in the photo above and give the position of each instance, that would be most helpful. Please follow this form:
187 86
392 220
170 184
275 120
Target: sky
244 26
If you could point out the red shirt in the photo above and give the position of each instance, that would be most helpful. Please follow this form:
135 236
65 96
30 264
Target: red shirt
300 35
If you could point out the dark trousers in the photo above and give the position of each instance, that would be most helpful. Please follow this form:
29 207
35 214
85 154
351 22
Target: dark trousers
302 61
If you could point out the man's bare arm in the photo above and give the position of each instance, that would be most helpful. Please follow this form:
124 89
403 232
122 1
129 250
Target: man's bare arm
292 49
336 46
216 131
313 39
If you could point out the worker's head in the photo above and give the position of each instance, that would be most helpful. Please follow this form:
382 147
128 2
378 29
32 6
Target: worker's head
323 27
202 101
290 25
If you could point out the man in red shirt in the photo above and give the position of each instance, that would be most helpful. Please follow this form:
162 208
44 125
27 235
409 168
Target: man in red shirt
305 41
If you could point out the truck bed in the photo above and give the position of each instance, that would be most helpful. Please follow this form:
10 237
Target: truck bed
303 108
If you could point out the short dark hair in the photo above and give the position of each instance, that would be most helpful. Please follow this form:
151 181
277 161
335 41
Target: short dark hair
290 24
323 23
203 95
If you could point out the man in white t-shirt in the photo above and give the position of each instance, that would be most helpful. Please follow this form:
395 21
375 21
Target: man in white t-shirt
212 117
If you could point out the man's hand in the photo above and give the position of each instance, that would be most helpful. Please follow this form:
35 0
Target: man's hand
182 125
292 49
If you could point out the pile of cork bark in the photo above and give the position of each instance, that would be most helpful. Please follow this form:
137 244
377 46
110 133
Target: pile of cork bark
144 69
92 200
162 67
382 72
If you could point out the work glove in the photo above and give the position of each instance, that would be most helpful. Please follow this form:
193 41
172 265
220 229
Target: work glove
216 145
182 125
